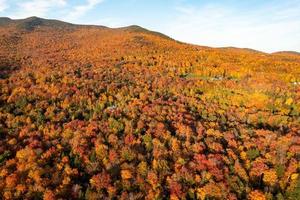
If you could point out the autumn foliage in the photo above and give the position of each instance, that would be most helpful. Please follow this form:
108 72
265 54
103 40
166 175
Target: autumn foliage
99 113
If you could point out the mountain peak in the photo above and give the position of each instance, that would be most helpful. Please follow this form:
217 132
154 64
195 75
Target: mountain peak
32 18
31 23
136 28
5 20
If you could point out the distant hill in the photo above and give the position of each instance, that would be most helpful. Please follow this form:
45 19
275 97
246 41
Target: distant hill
135 28
293 53
31 23
244 50
4 21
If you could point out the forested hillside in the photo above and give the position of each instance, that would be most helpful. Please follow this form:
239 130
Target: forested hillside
90 112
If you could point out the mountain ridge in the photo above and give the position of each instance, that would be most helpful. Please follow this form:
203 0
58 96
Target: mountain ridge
31 23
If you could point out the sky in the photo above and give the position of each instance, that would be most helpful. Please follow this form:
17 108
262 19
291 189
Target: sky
265 25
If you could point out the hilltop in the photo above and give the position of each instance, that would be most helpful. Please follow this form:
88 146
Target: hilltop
91 112
32 23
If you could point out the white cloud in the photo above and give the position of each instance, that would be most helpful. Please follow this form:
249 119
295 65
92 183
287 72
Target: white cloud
3 5
37 8
80 10
269 28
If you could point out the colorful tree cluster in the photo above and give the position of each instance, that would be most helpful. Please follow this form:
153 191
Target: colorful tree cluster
98 113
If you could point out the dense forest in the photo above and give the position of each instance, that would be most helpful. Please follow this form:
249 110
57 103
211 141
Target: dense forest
90 112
